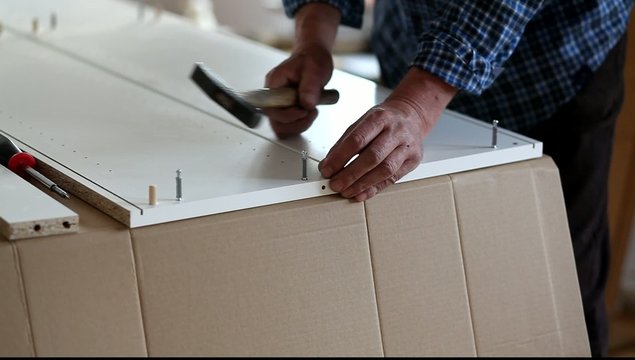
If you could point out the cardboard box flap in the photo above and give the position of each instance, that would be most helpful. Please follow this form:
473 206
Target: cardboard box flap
559 251
82 295
418 268
282 280
82 289
508 267
15 331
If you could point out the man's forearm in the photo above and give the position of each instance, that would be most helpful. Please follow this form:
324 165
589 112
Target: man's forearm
426 93
316 25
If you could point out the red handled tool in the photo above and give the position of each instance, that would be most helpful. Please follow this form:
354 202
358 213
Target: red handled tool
21 162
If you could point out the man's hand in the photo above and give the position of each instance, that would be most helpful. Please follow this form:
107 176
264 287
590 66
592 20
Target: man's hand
388 138
309 68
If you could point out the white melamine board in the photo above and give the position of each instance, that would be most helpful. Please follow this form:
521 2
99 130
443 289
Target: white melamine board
27 212
116 110
118 138
161 56
72 16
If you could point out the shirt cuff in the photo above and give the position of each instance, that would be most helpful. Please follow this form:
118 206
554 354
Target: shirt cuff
352 11
455 62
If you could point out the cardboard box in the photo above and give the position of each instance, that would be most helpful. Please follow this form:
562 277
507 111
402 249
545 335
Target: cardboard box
71 295
471 264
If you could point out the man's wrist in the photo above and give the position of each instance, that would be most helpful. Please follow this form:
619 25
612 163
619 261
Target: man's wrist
426 94
316 26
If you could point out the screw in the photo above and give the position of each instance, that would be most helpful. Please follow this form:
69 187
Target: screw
304 158
179 185
141 10
158 10
53 21
494 133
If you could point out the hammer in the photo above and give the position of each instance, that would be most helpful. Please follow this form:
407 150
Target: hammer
244 105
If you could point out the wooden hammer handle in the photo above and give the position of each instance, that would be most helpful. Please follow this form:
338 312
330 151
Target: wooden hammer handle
284 97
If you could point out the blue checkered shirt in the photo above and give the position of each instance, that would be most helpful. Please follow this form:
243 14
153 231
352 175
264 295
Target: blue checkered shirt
517 61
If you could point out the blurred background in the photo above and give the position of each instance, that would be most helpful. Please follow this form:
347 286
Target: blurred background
264 21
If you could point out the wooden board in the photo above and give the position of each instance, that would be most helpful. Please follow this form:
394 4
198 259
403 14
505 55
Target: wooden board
116 112
26 212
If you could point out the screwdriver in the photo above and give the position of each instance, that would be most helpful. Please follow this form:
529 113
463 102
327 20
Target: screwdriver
21 162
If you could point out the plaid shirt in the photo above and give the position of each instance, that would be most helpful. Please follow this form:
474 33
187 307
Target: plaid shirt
517 61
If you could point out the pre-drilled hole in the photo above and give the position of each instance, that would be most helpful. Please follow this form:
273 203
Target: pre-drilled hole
66 225
37 227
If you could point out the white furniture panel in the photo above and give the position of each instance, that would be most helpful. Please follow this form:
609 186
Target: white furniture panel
26 212
161 56
118 138
115 110
72 17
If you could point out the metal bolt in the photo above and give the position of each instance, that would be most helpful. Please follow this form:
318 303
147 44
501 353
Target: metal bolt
494 133
158 10
304 159
141 10
179 185
53 21
35 25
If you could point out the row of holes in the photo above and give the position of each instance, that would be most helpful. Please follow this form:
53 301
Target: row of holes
38 227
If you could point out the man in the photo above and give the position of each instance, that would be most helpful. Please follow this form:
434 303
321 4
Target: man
550 69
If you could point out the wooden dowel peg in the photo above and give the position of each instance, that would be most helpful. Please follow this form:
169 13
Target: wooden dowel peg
35 25
152 195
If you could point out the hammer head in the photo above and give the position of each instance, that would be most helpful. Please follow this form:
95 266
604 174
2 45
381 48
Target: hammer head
217 90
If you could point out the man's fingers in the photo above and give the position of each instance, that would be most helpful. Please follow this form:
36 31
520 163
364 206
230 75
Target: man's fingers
309 90
284 129
285 115
349 145
391 168
381 152
285 74
371 191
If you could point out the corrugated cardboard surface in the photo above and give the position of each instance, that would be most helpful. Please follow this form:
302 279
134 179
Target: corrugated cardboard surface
288 279
81 290
419 275
15 333
477 263
509 268
565 290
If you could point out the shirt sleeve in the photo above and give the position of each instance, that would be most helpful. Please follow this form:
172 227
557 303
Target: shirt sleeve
352 10
468 45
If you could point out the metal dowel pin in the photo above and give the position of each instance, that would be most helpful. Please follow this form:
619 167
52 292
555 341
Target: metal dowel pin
1 28
158 10
179 185
494 134
53 21
304 159
141 10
